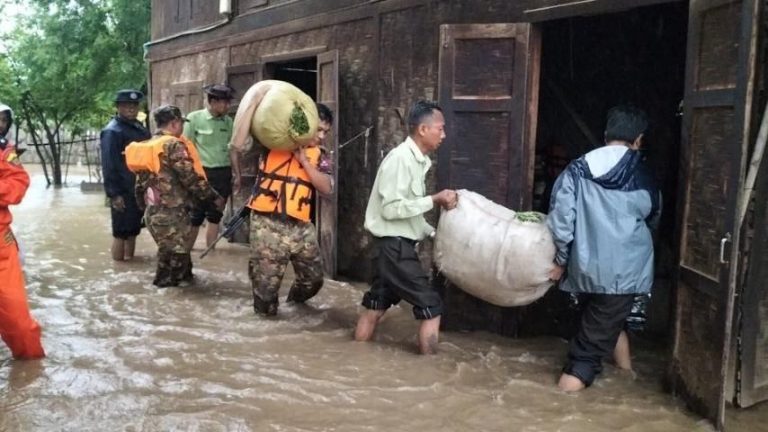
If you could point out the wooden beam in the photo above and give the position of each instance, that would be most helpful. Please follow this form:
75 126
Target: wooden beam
572 8
580 123
294 55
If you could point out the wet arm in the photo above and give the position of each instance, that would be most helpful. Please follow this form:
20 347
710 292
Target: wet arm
562 216
320 180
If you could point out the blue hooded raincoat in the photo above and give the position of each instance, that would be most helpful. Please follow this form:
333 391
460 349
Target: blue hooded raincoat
603 209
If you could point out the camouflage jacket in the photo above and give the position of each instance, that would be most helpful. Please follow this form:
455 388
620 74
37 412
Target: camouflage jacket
177 184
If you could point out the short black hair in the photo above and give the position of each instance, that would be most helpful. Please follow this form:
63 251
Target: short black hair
420 111
166 114
325 113
625 123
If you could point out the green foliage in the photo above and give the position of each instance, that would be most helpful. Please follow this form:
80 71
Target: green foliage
65 59
9 92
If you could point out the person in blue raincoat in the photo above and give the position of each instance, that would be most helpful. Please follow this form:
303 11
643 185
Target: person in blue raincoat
603 210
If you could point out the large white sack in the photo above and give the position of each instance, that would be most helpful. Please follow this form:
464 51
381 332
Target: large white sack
483 249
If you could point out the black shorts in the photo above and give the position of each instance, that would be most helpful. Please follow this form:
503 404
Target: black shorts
127 223
398 274
220 180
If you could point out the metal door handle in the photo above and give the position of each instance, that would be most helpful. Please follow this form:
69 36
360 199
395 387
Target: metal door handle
723 241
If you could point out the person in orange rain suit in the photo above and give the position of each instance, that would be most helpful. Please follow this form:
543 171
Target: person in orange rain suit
17 327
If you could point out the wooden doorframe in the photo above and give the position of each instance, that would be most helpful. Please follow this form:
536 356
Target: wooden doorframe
742 369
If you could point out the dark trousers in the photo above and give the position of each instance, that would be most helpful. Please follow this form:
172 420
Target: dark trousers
602 320
397 274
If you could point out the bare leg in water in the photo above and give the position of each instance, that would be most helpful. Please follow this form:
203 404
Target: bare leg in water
621 352
428 335
429 330
130 248
570 383
366 324
118 249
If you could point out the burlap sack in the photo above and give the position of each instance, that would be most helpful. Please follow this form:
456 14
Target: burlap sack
483 249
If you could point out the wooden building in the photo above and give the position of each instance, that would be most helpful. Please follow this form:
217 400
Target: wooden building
525 86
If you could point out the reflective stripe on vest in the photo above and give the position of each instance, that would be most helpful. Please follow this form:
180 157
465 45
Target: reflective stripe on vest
284 186
145 155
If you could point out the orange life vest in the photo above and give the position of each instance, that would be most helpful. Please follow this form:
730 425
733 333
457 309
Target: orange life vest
284 187
145 155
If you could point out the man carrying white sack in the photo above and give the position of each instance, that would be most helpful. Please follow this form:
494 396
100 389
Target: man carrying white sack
603 209
395 217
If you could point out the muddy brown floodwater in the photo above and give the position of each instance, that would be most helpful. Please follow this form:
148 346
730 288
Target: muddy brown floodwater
126 356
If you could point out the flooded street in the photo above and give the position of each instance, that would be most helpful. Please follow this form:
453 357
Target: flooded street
124 355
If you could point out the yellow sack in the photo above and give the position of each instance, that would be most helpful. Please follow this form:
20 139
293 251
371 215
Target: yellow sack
281 116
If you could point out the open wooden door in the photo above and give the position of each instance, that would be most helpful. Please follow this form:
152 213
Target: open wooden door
719 67
241 78
327 210
488 90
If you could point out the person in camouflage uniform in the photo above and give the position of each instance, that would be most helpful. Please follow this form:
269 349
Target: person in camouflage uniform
168 195
281 229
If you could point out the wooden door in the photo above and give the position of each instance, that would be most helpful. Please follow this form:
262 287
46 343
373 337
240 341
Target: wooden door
241 78
488 87
326 212
718 87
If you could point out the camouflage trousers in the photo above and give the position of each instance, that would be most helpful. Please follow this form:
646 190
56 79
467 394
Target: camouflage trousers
274 243
170 228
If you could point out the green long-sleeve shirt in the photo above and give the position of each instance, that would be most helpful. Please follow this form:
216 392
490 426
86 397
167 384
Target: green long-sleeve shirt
397 203
211 136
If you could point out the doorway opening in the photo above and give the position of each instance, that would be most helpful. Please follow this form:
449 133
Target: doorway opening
590 64
300 72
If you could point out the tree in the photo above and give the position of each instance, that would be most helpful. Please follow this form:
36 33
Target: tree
67 57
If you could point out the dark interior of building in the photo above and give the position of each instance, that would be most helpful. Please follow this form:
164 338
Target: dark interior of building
590 64
302 73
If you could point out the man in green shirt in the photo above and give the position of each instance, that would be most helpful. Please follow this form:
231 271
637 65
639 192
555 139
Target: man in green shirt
210 130
395 217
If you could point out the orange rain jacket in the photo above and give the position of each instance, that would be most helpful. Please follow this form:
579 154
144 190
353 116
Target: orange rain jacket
17 327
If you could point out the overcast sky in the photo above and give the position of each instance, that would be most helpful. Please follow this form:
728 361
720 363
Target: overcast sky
10 9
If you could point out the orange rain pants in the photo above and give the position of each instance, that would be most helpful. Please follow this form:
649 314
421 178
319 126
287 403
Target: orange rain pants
17 327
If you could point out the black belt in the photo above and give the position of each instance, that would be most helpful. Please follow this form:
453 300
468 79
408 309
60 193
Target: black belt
411 242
